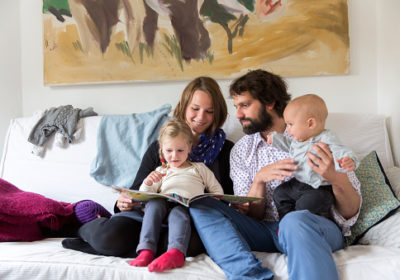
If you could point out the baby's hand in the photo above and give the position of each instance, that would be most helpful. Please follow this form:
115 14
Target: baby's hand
153 177
269 138
346 163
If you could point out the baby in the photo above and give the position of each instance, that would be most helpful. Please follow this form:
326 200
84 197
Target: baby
179 176
305 122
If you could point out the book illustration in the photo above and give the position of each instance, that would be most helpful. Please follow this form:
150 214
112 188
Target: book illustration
143 196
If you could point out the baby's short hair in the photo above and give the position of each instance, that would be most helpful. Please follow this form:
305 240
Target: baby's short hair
312 105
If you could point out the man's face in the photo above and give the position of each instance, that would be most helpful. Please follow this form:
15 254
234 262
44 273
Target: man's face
251 113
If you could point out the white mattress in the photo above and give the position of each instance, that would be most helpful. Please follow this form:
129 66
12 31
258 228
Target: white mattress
47 259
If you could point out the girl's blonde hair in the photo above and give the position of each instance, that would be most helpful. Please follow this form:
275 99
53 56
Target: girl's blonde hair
171 129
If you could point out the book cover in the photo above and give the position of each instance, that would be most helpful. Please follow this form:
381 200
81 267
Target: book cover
143 196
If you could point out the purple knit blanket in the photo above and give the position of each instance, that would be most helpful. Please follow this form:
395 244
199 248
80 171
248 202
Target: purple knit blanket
23 214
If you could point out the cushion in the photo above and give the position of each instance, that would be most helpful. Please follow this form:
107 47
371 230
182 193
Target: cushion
386 233
378 198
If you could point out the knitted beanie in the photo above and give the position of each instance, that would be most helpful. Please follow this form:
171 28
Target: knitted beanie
88 210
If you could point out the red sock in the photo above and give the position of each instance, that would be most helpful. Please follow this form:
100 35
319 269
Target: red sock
145 257
173 258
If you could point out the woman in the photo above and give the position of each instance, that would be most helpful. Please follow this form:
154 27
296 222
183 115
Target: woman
203 107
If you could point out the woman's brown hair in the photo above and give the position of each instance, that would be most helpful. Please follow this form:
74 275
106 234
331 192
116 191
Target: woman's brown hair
210 86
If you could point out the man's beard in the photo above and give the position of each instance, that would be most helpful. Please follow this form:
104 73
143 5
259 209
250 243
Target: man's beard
262 123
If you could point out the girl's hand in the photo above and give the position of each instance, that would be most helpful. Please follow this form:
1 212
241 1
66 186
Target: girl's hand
125 203
153 177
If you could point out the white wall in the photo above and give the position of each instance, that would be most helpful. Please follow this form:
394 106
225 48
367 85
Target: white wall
368 88
388 57
10 67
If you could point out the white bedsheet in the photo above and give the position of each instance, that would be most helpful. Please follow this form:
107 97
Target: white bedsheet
47 259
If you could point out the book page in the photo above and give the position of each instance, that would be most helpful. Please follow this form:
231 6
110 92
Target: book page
143 196
226 197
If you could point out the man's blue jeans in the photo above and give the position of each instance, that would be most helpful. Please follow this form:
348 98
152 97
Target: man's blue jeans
229 237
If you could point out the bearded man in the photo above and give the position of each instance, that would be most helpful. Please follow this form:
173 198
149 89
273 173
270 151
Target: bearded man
308 240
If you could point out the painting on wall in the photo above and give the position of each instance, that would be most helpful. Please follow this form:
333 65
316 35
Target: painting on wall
163 40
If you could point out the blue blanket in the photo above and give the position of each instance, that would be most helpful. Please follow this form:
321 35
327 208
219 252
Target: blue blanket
122 141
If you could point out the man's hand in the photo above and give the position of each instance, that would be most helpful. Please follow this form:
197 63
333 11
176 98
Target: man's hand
323 164
276 171
241 207
347 199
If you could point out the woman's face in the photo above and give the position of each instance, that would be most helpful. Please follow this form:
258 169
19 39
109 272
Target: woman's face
200 112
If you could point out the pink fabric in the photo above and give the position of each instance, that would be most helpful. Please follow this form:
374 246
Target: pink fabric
22 214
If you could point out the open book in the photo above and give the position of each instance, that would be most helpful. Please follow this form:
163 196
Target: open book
143 196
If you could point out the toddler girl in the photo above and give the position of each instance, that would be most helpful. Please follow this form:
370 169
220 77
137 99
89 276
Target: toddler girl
176 175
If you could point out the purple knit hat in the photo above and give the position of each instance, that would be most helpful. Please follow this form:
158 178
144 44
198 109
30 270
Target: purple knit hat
88 210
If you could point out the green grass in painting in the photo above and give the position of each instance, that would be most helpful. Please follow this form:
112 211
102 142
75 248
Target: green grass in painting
171 45
77 45
125 49
57 4
210 57
145 48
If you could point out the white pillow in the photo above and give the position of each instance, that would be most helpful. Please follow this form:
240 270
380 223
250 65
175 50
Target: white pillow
363 133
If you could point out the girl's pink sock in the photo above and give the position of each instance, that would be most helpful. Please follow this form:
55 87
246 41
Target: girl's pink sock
173 258
145 257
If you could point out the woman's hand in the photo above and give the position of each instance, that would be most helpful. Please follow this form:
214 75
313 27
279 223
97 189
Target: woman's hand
153 177
125 203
